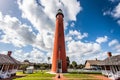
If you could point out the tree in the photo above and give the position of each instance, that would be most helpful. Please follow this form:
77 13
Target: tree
23 67
81 66
48 61
68 61
74 64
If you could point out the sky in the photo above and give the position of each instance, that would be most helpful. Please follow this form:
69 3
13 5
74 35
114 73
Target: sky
91 27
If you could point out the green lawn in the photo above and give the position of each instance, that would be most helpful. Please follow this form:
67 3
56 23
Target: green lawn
35 76
46 76
80 77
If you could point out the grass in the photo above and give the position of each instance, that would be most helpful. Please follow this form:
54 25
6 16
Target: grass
74 76
46 76
98 73
35 76
82 75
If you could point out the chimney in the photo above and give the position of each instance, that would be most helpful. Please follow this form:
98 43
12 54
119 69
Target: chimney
9 53
109 54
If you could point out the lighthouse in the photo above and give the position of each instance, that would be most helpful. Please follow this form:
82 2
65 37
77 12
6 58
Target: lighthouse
59 63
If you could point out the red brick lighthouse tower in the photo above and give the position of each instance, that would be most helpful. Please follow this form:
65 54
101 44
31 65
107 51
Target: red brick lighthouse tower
59 63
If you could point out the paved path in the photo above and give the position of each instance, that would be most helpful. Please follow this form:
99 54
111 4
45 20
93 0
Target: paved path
100 77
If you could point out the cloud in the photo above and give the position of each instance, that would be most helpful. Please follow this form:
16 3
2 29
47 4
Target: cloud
115 45
35 55
102 39
77 49
44 41
15 32
72 24
113 42
75 35
43 17
83 48
116 11
20 35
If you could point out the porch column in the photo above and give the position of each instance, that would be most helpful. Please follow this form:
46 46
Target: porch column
13 67
113 69
106 70
116 68
7 67
17 66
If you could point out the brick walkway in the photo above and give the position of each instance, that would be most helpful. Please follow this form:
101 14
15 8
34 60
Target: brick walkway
100 77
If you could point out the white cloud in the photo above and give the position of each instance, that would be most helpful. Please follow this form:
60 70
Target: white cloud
74 34
44 41
115 45
72 24
21 35
35 14
113 42
116 11
44 18
102 39
35 55
15 32
83 48
77 49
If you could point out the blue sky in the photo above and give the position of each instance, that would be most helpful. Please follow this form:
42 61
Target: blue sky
92 28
